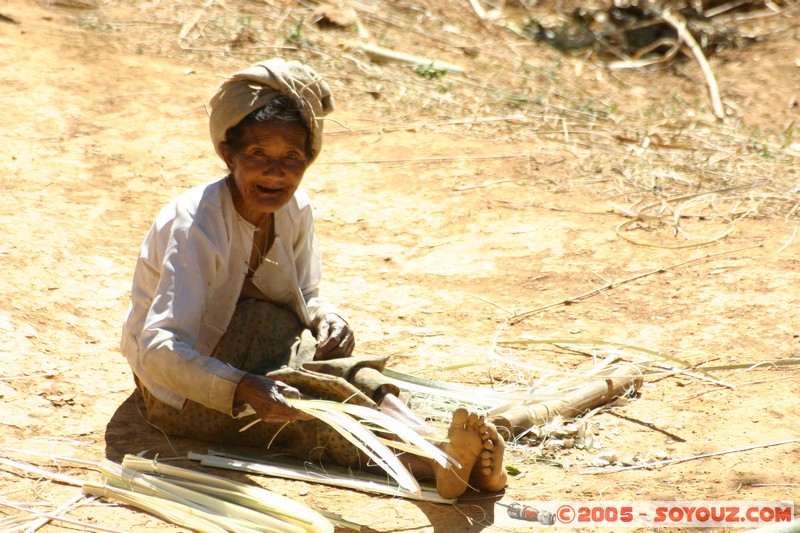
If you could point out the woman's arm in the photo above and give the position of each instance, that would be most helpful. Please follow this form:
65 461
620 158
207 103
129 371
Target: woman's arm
176 278
333 333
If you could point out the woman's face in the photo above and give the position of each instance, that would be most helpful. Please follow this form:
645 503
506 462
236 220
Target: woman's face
268 169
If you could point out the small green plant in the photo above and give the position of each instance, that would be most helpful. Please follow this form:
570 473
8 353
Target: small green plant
518 100
244 34
430 72
762 150
296 36
651 112
521 100
789 136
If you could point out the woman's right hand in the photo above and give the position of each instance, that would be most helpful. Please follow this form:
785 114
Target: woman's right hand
267 397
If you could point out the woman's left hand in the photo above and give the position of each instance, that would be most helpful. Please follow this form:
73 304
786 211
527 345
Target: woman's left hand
334 338
268 397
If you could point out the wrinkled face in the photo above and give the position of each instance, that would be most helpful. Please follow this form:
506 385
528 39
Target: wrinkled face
268 169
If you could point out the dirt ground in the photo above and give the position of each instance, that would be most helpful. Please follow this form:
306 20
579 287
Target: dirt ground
447 207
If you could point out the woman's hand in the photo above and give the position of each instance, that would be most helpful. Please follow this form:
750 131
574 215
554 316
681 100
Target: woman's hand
334 338
268 398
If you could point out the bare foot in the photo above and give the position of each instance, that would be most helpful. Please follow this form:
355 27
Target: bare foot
472 444
489 474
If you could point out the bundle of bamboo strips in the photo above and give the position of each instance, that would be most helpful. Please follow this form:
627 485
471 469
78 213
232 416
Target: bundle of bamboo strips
191 499
203 502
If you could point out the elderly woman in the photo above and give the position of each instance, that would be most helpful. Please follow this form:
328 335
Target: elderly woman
226 317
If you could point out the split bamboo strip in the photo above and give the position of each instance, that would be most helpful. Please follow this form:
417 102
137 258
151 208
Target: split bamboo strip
356 481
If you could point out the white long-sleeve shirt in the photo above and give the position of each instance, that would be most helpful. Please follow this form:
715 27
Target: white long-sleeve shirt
187 282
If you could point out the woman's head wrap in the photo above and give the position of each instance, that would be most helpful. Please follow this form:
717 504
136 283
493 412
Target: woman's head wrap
256 86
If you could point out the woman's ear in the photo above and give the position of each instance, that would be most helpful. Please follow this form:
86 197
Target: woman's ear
227 155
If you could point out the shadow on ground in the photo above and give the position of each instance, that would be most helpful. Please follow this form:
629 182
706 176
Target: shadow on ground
129 433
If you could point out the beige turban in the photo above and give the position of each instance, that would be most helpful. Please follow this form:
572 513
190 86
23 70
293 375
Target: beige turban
256 86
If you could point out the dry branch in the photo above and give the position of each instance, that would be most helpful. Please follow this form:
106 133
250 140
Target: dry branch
689 458
379 53
667 203
627 225
686 369
738 385
519 316
678 22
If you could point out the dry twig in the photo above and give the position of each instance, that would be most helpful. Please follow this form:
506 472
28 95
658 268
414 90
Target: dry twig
679 23
683 200
519 316
427 159
689 458
77 501
191 23
379 53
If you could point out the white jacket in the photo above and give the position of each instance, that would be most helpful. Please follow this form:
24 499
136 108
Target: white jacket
187 282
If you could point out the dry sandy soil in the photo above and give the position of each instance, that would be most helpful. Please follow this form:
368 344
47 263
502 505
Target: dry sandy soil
447 207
